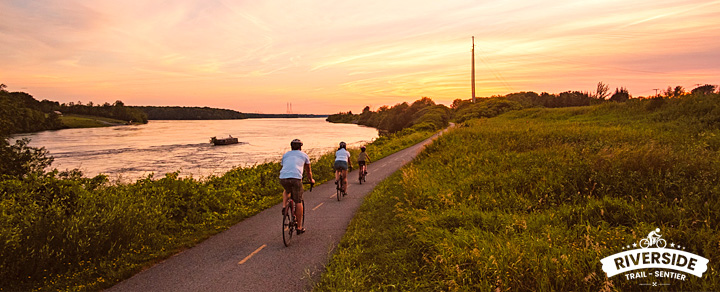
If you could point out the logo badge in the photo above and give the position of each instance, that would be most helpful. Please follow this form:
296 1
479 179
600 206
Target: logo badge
653 259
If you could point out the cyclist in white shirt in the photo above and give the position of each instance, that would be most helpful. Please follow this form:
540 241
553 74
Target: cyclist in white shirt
342 163
294 162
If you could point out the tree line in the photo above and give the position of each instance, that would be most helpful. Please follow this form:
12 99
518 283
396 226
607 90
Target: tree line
189 113
117 111
425 114
20 113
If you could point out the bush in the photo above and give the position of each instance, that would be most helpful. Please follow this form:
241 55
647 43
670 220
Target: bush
486 109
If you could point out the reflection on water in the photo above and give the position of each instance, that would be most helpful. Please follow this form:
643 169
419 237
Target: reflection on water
130 152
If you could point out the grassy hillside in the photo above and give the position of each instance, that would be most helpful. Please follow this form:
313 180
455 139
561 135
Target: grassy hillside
533 199
83 121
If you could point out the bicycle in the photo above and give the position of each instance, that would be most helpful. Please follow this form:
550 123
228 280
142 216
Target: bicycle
290 223
363 174
339 186
645 243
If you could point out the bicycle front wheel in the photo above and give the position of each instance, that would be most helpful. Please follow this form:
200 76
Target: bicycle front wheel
288 225
661 243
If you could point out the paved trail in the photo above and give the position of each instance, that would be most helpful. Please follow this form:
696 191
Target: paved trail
250 256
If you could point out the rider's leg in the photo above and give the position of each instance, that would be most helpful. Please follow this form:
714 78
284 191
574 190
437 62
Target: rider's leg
337 176
285 197
299 214
345 180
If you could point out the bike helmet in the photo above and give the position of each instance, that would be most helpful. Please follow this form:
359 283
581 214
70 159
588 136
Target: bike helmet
296 144
343 145
362 148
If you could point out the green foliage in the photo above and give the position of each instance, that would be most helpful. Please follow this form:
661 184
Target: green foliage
346 118
189 113
563 99
533 199
704 89
20 113
696 108
82 121
486 109
117 110
422 115
620 95
19 160
76 233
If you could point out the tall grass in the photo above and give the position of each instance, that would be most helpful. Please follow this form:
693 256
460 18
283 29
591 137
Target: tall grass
532 200
63 231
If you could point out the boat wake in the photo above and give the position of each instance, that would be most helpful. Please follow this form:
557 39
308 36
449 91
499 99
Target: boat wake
151 149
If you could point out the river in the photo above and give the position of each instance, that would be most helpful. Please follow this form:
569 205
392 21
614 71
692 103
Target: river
130 152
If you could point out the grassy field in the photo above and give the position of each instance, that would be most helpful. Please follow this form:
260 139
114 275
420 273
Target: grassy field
82 121
63 231
533 199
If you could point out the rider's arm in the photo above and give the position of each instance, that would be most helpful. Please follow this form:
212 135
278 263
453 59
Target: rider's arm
309 172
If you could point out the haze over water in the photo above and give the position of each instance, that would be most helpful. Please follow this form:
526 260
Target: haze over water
131 152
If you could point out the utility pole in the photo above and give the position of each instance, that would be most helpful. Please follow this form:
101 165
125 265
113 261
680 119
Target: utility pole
656 90
473 69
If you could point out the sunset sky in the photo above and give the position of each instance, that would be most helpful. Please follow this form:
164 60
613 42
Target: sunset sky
330 56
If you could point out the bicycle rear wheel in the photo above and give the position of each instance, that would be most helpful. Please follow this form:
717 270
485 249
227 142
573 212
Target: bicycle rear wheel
339 190
288 225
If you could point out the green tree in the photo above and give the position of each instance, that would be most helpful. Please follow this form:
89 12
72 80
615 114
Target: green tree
20 159
621 95
602 91
705 89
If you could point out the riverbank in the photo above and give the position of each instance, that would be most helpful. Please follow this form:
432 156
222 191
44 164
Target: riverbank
77 233
532 200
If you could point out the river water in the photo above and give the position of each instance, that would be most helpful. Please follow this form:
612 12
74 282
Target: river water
131 152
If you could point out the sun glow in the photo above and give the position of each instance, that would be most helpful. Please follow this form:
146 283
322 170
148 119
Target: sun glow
325 58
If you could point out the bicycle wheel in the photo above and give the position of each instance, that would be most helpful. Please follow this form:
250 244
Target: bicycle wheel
339 189
644 243
661 243
288 225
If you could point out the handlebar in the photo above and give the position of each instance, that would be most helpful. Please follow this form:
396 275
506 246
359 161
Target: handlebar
309 183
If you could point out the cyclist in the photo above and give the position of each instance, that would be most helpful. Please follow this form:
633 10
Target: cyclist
654 236
362 159
342 163
293 164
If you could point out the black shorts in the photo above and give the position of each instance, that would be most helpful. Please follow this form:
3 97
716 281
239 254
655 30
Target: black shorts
361 163
294 187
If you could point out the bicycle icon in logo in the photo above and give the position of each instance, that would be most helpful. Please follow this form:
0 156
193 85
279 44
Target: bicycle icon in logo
653 238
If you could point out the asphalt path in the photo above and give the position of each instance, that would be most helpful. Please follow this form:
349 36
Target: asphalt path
251 256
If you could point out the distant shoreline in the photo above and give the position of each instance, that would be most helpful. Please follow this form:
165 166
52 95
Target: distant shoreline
262 116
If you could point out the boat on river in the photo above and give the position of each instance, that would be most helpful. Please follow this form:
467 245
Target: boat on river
224 141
